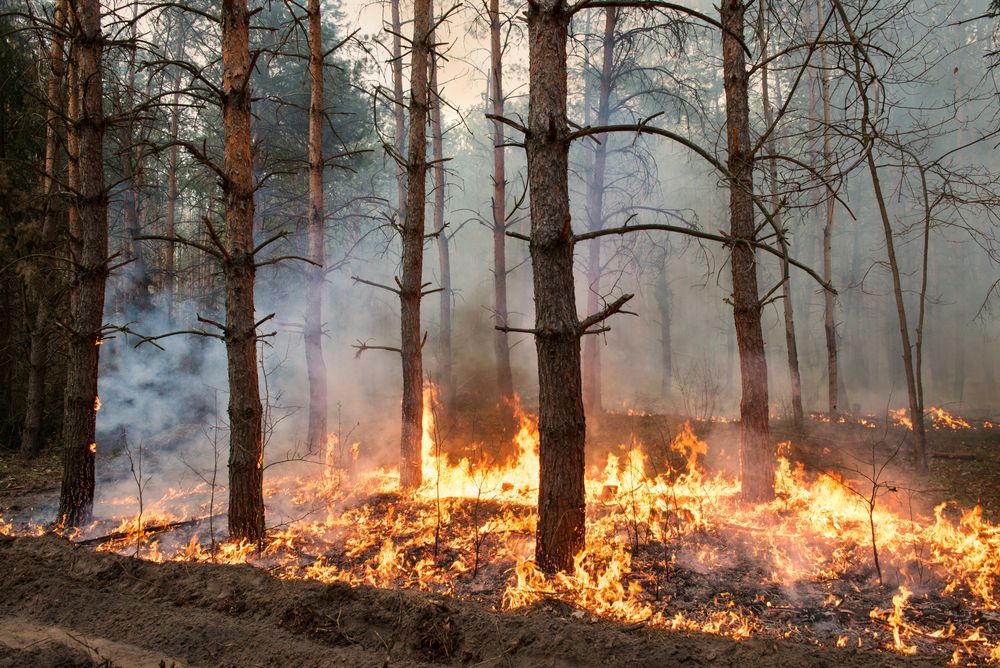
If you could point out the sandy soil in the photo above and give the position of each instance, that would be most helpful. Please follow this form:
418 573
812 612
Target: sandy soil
63 605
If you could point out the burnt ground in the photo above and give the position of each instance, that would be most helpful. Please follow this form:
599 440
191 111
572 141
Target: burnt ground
64 605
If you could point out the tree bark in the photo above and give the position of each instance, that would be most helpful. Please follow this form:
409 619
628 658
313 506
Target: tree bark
501 344
562 425
40 286
313 328
76 497
595 218
791 347
411 285
246 446
447 374
756 451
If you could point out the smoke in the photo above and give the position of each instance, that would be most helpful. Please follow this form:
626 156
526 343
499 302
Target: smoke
677 355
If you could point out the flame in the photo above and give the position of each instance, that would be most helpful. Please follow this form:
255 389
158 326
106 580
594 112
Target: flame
515 480
652 512
894 619
938 418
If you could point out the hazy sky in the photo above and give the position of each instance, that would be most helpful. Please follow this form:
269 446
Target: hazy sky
462 79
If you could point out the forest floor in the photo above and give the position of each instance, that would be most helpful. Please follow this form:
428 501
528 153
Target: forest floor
63 605
66 605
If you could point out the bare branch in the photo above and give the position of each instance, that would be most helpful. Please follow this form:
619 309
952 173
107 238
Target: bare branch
605 313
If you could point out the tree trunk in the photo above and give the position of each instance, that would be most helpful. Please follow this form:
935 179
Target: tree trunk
398 106
313 328
791 347
447 378
916 409
410 289
756 452
958 340
866 140
562 425
662 292
76 496
595 218
246 446
171 220
829 324
501 344
32 440
169 269
137 292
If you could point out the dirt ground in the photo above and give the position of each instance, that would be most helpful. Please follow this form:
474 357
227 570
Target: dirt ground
63 605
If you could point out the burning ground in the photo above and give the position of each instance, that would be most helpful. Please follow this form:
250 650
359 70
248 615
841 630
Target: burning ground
853 564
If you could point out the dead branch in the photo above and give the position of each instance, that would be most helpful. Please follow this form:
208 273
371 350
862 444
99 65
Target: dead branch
391 289
605 313
147 530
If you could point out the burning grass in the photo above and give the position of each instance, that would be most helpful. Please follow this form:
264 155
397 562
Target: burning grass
829 561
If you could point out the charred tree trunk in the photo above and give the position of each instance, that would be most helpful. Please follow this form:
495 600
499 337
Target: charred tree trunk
562 425
791 347
595 218
313 328
41 281
501 344
447 380
411 285
76 497
756 451
246 446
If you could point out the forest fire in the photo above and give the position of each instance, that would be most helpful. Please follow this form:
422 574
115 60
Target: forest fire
936 418
237 238
669 545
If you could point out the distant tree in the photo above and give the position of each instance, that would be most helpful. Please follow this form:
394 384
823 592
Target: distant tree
791 345
27 202
40 281
446 378
313 328
501 344
596 188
